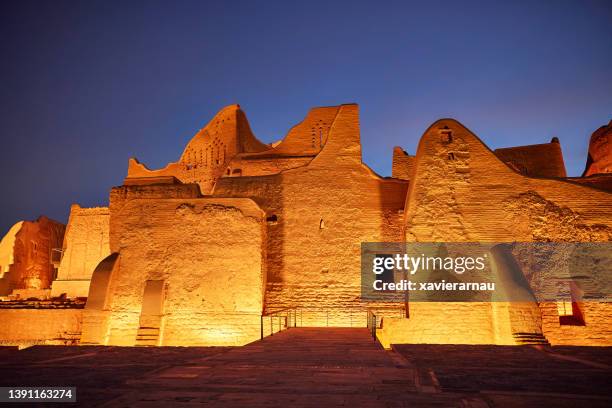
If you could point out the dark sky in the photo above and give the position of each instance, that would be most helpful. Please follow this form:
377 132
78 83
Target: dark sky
85 85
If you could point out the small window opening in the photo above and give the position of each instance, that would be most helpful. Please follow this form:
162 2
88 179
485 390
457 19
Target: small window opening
451 156
272 219
446 135
569 309
321 224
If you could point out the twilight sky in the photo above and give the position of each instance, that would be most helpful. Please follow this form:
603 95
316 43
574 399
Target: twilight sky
87 84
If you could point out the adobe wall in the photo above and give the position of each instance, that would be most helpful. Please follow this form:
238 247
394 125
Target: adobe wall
403 164
301 144
600 152
208 253
22 327
321 213
595 332
31 268
462 192
207 155
263 165
85 245
449 323
7 256
473 196
540 160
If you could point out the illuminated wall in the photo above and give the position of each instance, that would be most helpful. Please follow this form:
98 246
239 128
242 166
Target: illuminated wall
85 245
462 192
188 270
318 215
207 155
195 253
28 270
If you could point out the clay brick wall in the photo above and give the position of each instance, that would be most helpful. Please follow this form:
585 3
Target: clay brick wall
595 332
207 155
85 245
38 326
31 268
301 144
434 323
7 257
263 165
540 160
209 254
600 152
403 164
462 192
323 211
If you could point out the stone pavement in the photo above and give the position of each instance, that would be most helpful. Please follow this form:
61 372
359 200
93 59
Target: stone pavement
319 367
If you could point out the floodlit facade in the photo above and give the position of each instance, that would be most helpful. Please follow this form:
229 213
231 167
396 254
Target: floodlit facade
210 249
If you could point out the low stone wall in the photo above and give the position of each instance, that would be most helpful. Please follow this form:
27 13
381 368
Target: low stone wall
595 332
460 323
72 288
441 323
22 327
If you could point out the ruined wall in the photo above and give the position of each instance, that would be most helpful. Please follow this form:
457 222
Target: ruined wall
207 155
32 271
263 165
318 215
207 255
7 257
85 245
301 144
403 164
601 181
540 160
448 323
600 152
462 192
21 327
596 330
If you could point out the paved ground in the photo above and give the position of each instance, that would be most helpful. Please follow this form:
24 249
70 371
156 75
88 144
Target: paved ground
319 368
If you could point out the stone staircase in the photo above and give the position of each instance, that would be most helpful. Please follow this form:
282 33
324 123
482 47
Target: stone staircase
530 339
147 336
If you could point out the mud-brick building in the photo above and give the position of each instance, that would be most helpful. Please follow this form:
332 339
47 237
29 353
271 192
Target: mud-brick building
211 249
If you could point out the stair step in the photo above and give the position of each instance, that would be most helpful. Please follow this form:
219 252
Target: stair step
530 338
147 336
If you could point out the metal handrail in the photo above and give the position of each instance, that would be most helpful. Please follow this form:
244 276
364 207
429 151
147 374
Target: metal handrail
289 316
372 323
